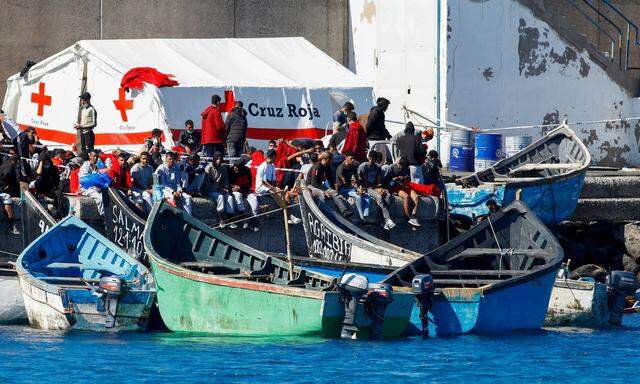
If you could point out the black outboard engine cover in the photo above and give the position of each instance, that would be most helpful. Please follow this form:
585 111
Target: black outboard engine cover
620 284
424 287
110 289
378 298
352 288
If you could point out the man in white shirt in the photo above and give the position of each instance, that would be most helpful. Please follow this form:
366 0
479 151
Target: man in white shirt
88 121
266 175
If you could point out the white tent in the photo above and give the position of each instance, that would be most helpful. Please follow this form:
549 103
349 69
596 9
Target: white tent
289 88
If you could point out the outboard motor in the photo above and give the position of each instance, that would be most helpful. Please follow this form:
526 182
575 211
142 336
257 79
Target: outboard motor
378 298
352 288
620 284
423 287
110 289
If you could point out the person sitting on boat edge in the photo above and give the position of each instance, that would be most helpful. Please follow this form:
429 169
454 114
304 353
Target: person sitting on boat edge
318 183
47 180
10 187
121 174
216 186
170 179
492 206
370 183
93 179
347 184
432 184
142 183
193 172
241 182
395 178
266 181
189 137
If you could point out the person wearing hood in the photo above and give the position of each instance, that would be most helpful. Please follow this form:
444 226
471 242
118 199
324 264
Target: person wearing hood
236 125
356 139
376 128
410 147
213 128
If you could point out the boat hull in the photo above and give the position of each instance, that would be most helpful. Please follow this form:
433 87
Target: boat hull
12 310
76 309
578 303
194 302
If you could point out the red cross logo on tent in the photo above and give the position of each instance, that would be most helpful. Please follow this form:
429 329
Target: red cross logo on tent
122 104
41 99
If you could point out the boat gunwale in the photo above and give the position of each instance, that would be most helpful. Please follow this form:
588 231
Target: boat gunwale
115 196
185 273
553 264
561 129
33 202
26 274
376 245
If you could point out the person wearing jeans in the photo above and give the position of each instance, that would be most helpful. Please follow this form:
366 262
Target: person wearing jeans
317 178
370 184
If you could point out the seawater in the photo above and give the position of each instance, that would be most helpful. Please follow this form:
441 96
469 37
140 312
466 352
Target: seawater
545 356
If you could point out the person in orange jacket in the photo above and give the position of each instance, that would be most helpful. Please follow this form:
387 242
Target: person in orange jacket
213 128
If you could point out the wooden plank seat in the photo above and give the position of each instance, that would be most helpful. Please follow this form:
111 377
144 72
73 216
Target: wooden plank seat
480 272
68 278
464 282
542 166
245 276
495 251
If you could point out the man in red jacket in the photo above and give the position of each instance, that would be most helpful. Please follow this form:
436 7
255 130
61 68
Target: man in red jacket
213 128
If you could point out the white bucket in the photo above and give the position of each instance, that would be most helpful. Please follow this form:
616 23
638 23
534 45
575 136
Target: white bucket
515 144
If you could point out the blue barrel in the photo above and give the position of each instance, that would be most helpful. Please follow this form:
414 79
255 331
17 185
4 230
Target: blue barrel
488 150
461 158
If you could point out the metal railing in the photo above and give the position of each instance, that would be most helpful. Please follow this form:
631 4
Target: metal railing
626 36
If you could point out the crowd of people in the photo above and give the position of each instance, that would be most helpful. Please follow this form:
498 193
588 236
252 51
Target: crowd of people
216 162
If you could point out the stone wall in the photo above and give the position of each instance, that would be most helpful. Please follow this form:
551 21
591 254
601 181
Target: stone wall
34 29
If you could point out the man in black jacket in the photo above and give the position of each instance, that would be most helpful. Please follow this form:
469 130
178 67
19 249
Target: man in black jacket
376 128
189 137
236 123
9 187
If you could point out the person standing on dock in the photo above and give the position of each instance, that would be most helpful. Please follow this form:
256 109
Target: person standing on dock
236 125
213 128
88 122
9 187
170 178
376 128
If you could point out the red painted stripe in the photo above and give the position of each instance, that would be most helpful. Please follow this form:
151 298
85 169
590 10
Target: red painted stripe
133 138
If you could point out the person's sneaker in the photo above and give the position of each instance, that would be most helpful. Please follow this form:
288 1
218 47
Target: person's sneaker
233 225
414 222
294 219
245 225
256 229
389 225
14 230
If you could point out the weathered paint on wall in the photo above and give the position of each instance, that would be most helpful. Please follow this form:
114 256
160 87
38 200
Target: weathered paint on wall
506 67
395 45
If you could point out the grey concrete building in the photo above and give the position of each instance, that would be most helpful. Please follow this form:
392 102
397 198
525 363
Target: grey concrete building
36 29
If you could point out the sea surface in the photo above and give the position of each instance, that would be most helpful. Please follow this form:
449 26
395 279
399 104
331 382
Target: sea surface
551 355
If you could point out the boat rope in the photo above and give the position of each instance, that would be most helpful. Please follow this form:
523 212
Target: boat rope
444 124
10 253
253 217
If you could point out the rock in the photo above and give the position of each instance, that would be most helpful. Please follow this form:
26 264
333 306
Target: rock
589 270
630 264
632 240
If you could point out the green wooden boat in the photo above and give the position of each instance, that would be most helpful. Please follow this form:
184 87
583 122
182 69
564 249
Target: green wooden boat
210 283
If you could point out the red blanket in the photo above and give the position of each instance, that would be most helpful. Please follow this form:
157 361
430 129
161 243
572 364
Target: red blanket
356 141
136 77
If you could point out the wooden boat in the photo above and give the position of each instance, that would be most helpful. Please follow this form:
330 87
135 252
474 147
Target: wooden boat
579 303
547 176
496 277
331 237
35 221
74 278
125 223
212 284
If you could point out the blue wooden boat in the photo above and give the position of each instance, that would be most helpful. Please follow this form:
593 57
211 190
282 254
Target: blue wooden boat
72 277
547 176
496 277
